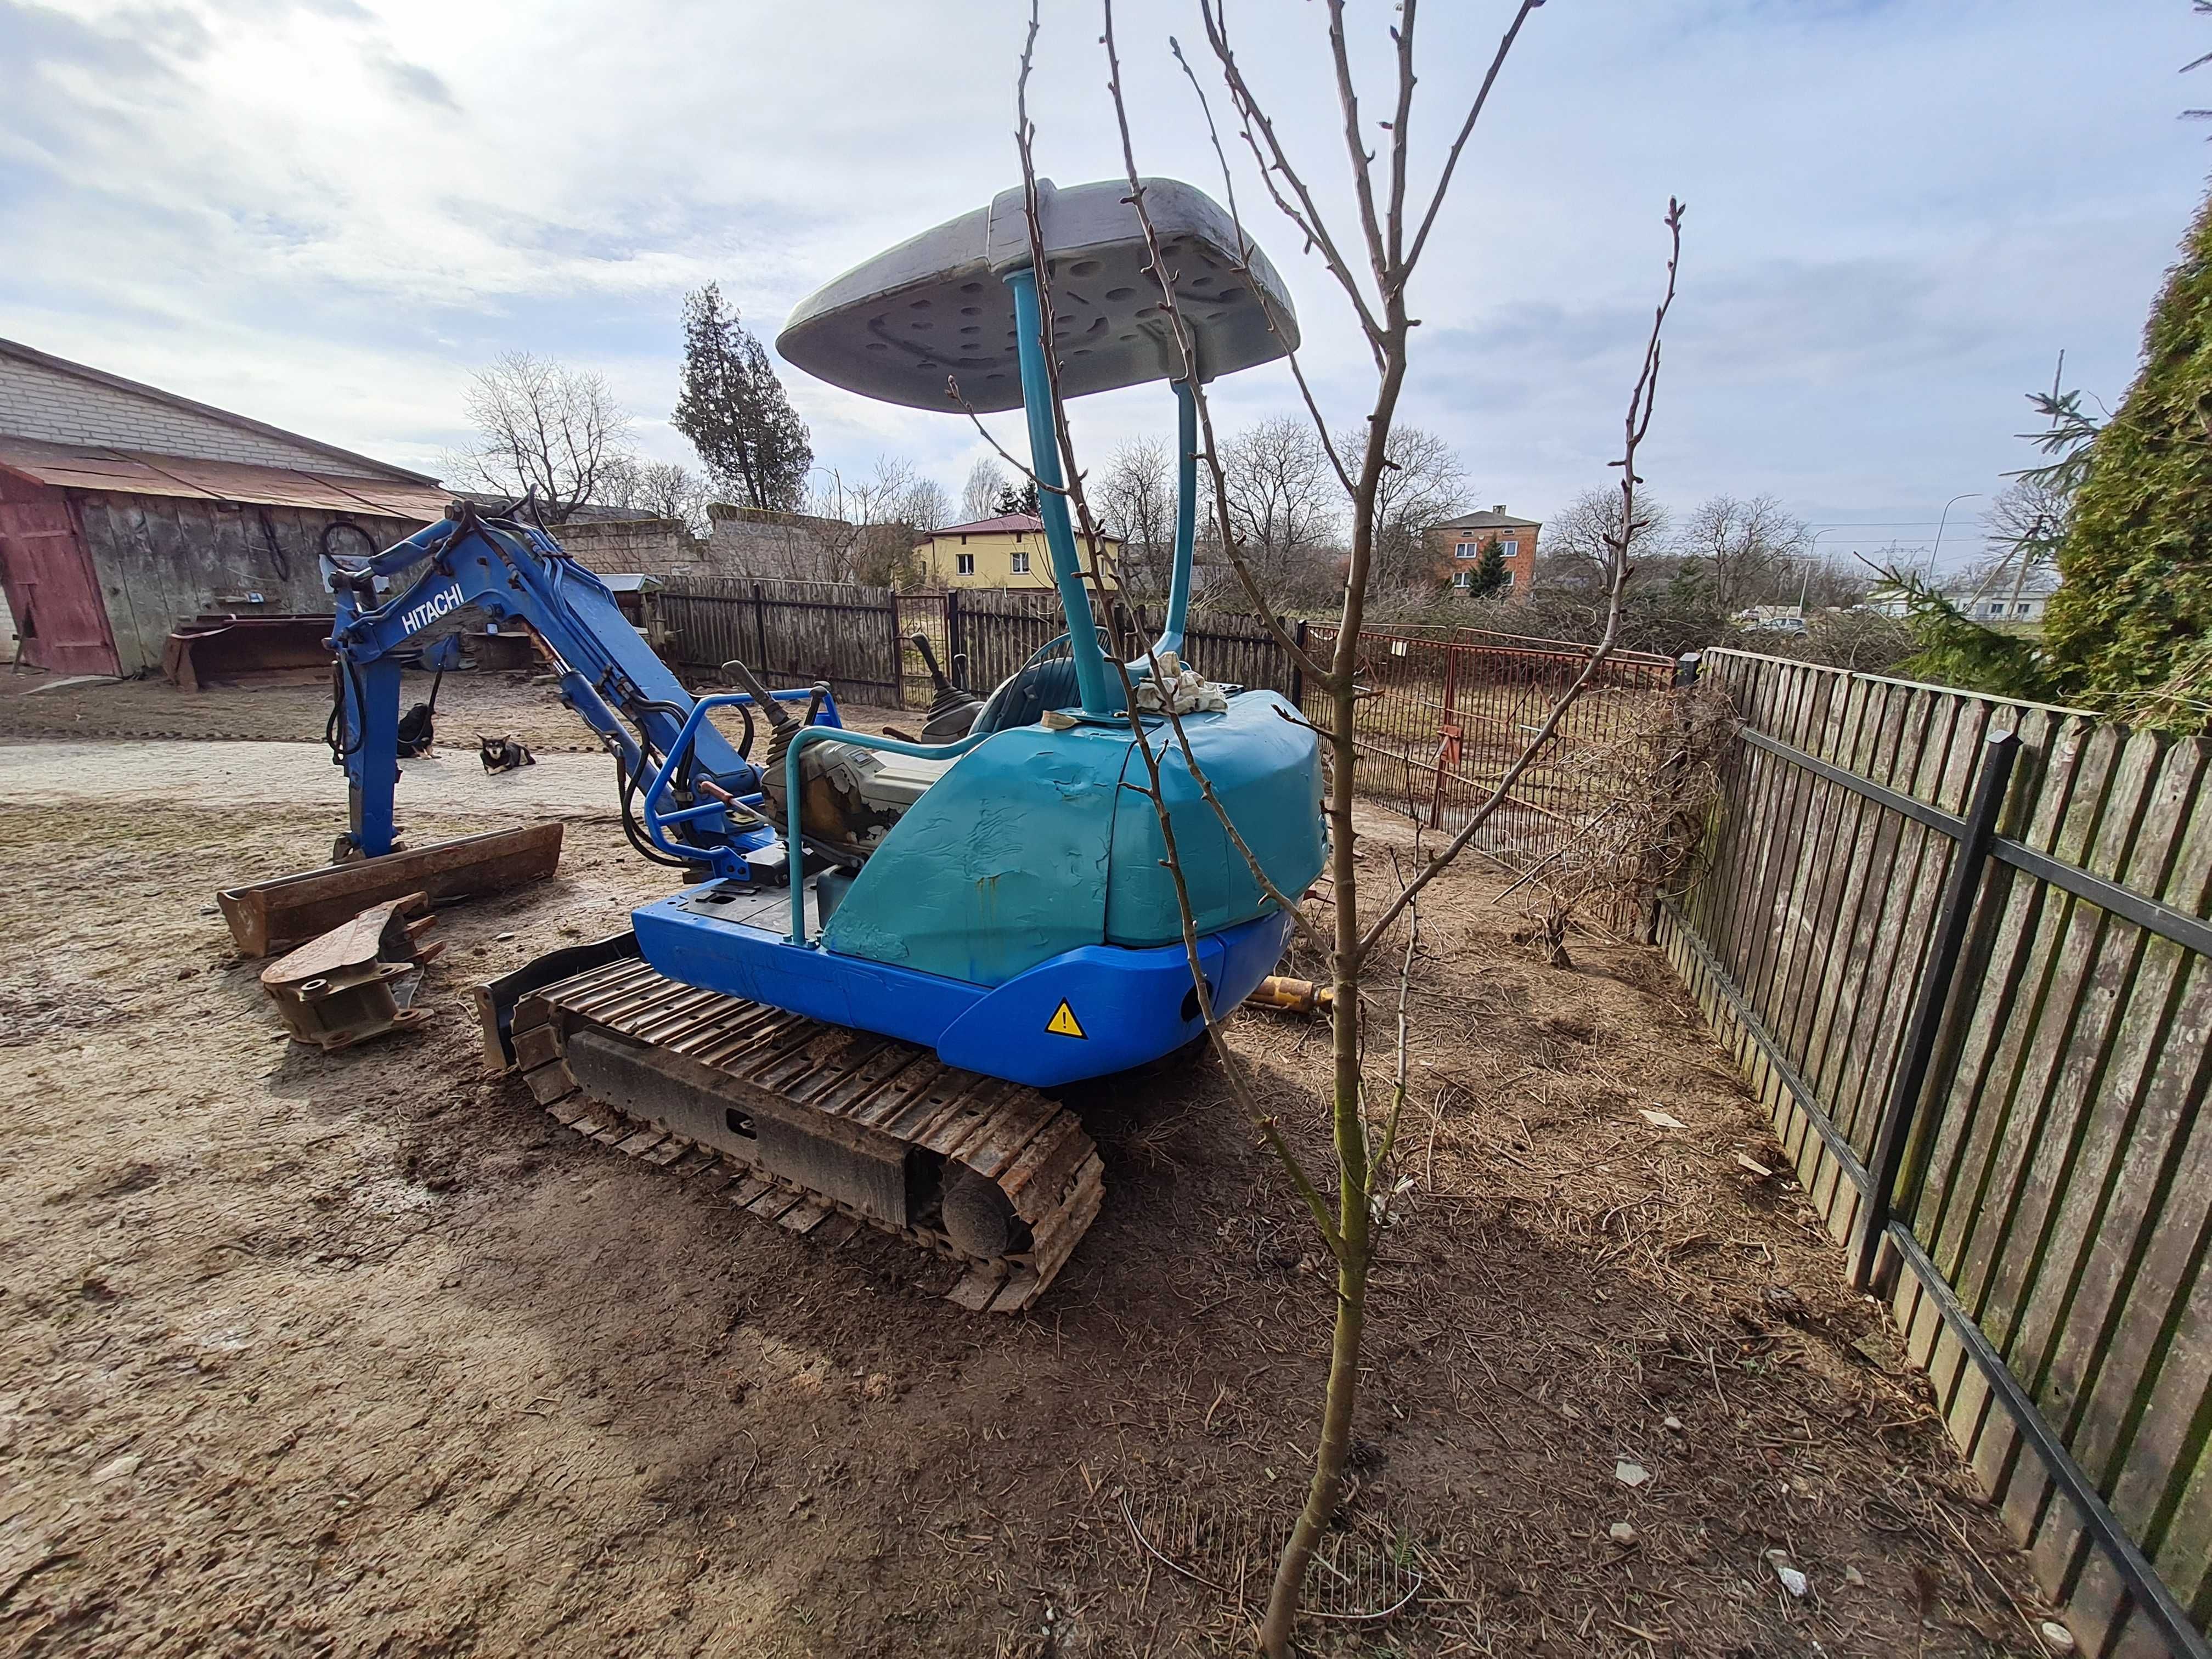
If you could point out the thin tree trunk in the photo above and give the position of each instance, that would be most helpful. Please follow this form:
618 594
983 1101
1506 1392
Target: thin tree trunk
1353 1217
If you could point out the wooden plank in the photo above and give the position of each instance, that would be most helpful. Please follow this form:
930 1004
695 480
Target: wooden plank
2098 1611
2120 1035
2008 1112
2148 1412
1902 736
1970 1116
2004 1271
269 916
1809 1012
1898 938
1844 964
2057 1549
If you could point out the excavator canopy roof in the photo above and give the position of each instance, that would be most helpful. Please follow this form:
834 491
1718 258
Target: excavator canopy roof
937 305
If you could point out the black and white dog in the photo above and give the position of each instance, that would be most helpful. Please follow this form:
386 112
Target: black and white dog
504 753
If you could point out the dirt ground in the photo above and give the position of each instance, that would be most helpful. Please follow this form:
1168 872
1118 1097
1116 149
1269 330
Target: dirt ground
365 1354
294 709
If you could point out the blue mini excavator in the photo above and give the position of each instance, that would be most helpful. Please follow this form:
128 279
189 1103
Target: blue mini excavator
887 951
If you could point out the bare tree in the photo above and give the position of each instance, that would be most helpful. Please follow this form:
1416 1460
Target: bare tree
1137 501
667 489
542 427
1576 551
978 496
864 530
1392 233
924 506
1282 506
1744 547
2023 529
1422 484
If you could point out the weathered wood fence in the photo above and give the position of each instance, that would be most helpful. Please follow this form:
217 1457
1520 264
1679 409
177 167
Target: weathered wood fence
1958 945
789 633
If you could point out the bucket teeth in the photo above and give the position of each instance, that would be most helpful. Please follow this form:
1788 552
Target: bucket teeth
849 1095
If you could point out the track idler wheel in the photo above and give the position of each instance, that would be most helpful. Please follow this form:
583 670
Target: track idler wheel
977 1216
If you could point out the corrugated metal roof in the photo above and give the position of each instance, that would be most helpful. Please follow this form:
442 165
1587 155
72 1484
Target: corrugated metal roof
131 472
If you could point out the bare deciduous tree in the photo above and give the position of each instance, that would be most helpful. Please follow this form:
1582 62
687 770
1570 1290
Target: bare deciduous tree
667 489
1392 233
864 530
542 427
1422 484
978 496
1284 504
1576 549
1742 546
2023 528
1136 495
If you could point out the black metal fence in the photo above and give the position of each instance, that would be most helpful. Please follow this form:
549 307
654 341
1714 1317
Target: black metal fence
1958 945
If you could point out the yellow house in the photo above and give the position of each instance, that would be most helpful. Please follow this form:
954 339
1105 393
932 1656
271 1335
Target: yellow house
1008 552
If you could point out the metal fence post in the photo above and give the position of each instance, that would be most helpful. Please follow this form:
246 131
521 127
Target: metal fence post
898 654
1953 919
1686 669
1297 668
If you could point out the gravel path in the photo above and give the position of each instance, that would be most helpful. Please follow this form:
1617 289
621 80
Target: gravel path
207 774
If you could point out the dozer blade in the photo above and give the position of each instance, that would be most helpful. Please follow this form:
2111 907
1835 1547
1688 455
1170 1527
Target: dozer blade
276 915
815 1127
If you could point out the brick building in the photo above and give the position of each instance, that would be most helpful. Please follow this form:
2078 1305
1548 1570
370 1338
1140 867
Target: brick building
125 509
1457 545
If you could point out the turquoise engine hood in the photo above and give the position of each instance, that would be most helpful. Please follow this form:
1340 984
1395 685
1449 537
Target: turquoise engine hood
1030 846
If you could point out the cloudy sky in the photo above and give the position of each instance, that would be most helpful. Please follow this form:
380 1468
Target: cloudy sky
326 213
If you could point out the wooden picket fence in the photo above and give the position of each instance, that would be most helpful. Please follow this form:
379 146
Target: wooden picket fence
1958 945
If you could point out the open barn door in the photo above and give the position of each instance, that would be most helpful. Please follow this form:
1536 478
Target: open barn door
52 593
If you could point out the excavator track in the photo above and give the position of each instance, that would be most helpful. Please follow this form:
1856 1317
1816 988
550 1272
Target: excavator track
815 1127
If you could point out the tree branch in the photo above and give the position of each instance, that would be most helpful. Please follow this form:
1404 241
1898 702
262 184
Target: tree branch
1638 423
1307 214
1188 357
1466 128
1244 249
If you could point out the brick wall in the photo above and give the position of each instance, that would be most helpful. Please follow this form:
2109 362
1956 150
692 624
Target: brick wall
37 402
1443 542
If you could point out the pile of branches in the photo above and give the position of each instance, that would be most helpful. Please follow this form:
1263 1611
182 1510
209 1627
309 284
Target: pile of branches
1650 791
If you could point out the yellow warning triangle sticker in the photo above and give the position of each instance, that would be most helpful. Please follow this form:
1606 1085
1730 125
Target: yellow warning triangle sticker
1063 1021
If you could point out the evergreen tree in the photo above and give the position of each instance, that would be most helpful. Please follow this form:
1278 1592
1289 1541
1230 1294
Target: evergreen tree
2128 628
734 410
1489 572
1024 499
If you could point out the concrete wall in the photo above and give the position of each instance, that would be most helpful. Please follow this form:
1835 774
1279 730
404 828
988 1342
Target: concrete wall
751 541
650 547
163 558
37 402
